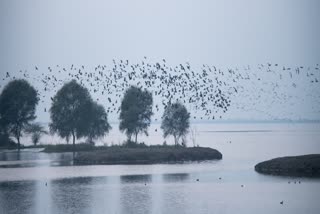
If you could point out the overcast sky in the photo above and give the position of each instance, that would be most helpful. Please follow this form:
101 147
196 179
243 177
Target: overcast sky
223 33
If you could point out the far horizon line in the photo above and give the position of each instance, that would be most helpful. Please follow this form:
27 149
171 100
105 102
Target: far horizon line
234 121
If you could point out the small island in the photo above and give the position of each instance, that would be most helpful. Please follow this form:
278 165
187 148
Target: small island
300 166
88 154
145 155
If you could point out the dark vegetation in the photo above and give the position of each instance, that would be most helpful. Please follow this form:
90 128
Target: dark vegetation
36 130
50 148
18 102
136 112
305 165
6 142
146 155
74 114
175 122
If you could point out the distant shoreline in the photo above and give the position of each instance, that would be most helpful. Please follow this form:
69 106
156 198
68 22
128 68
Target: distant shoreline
298 166
240 131
231 122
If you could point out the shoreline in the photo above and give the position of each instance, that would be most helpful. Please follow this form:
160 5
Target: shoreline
296 166
147 155
87 154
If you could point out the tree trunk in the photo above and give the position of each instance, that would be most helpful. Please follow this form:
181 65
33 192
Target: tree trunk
136 137
175 140
18 139
91 141
73 139
17 135
74 142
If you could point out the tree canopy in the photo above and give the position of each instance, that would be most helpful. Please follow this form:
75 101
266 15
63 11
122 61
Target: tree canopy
74 114
97 121
175 121
68 110
18 102
136 112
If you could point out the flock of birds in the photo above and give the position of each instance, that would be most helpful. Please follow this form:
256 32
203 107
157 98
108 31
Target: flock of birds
272 91
269 90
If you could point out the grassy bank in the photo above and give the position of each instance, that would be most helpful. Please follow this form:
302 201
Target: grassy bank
69 148
305 165
87 154
146 155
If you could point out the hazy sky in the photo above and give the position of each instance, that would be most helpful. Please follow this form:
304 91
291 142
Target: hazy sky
223 33
205 31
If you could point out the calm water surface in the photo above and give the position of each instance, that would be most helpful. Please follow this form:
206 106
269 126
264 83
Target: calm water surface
35 182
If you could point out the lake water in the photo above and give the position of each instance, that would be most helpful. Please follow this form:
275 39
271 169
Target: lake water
35 182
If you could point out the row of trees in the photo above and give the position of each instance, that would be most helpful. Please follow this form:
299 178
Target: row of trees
74 114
